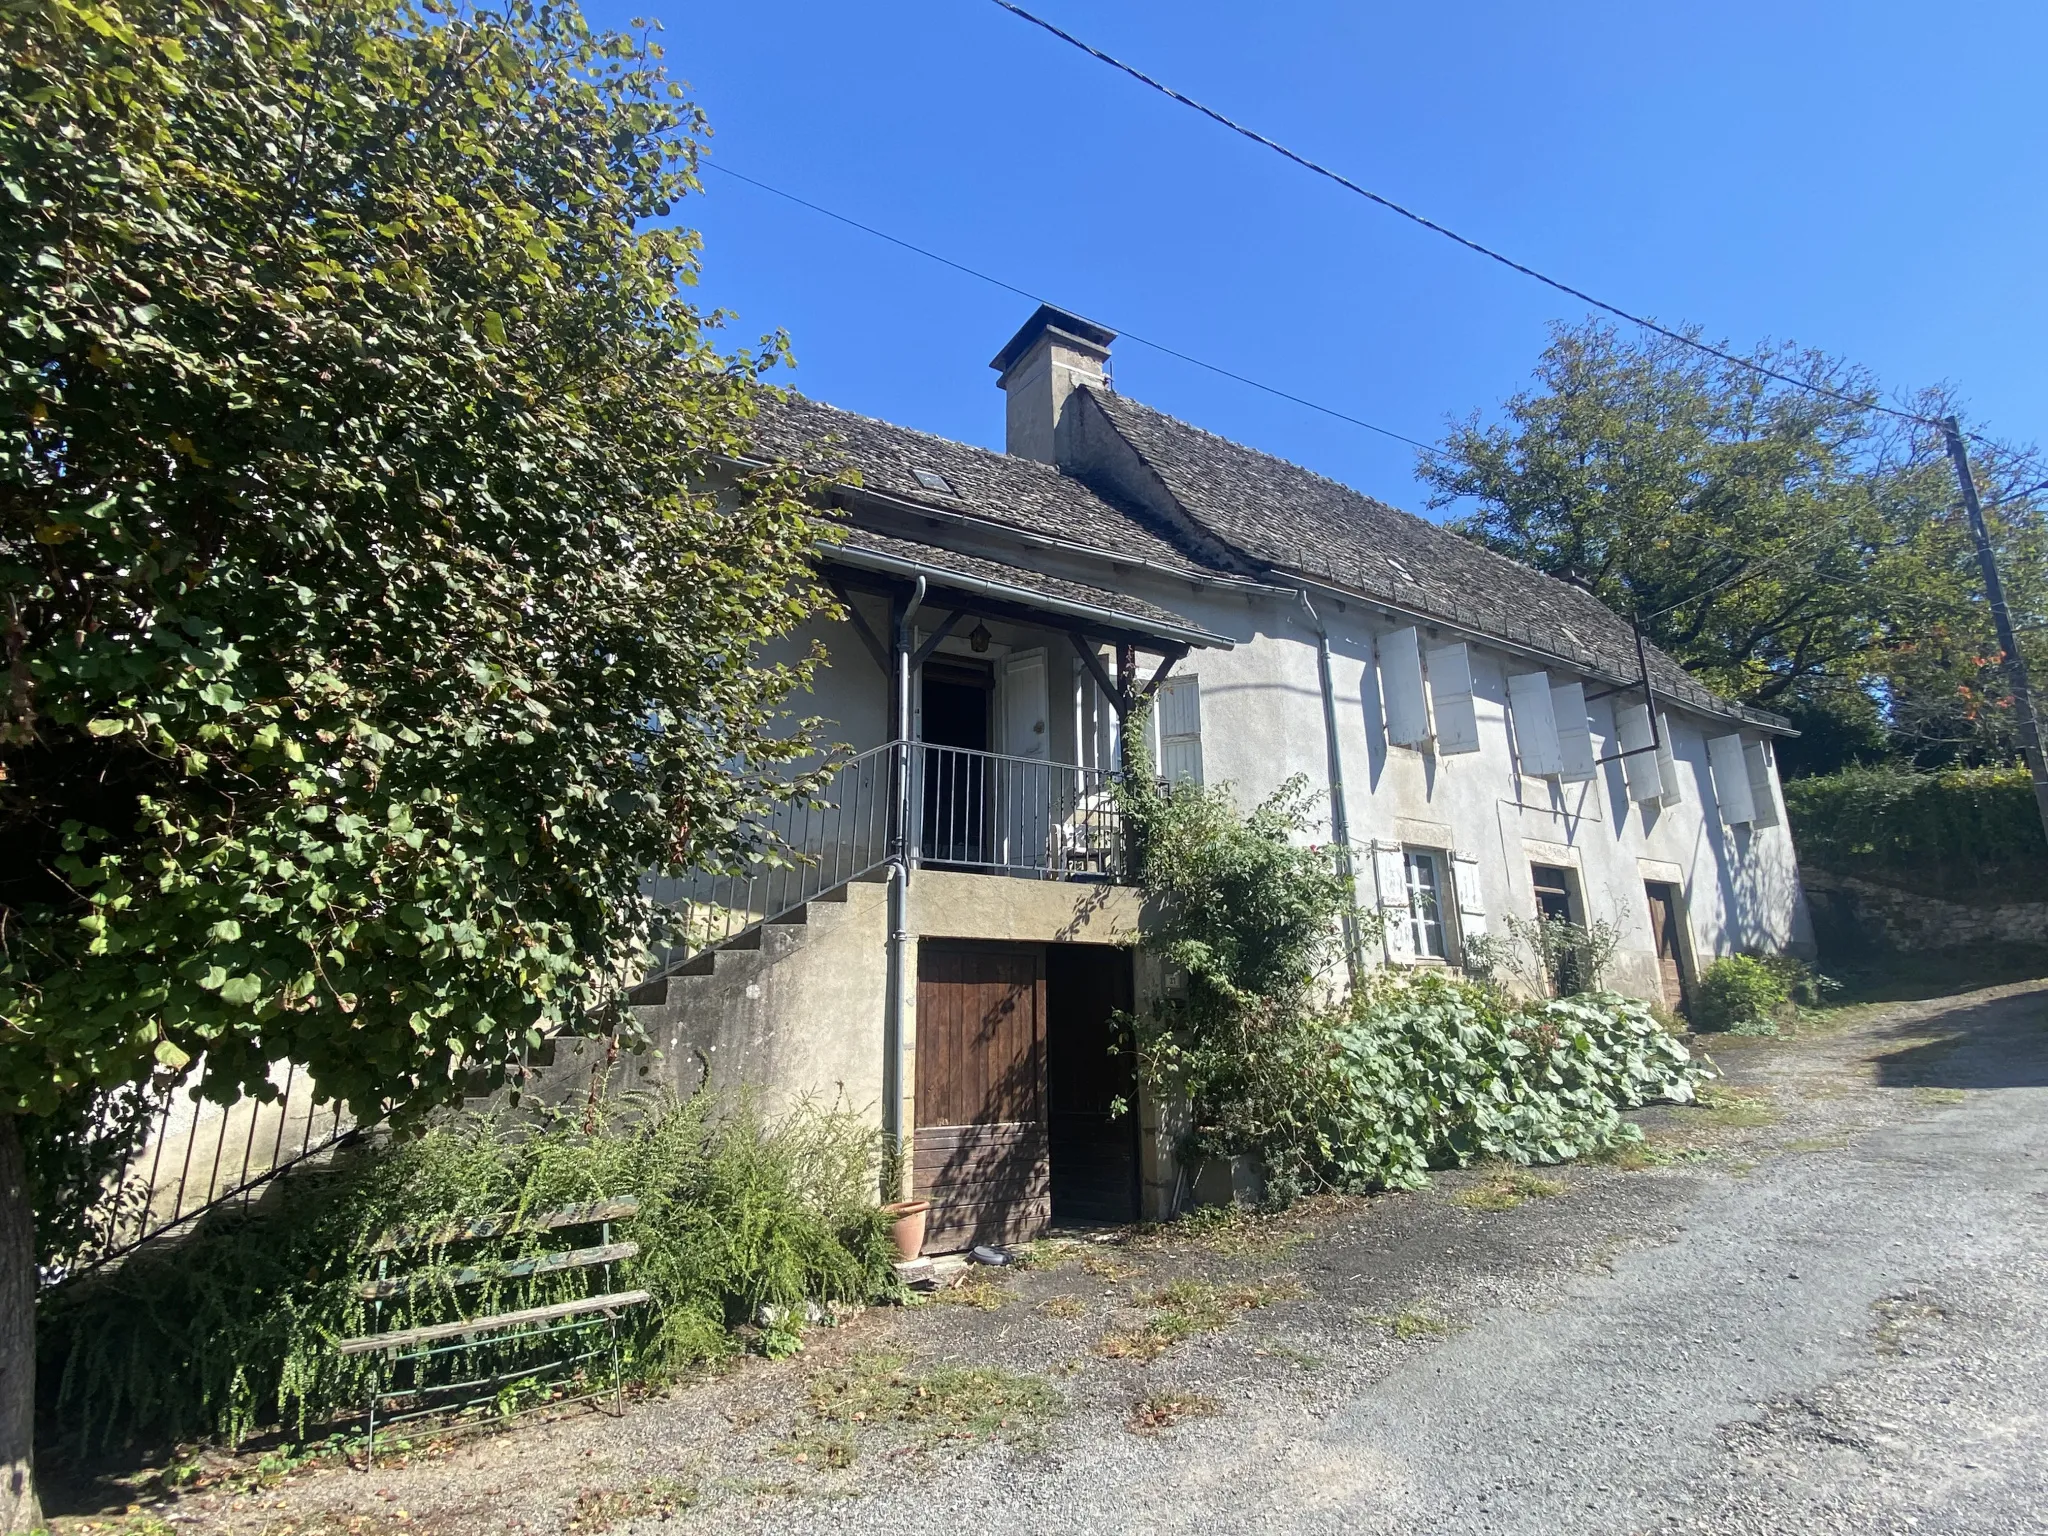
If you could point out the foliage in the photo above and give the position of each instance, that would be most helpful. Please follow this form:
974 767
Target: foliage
1965 831
372 619
1249 927
1740 990
1790 549
1564 957
231 1329
1430 1071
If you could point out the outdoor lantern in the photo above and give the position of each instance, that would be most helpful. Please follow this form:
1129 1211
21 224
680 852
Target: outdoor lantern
979 638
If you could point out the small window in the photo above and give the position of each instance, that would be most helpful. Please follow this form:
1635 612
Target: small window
1425 906
1553 892
932 480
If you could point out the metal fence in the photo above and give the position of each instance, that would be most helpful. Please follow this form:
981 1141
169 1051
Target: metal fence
810 846
1024 816
194 1155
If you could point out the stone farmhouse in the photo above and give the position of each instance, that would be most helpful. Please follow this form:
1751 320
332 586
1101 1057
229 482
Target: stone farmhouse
949 955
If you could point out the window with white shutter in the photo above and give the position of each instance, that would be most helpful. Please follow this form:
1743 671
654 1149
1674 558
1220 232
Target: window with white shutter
1471 899
1731 779
1450 700
1757 757
1667 764
1574 733
1638 761
1401 688
1177 713
1535 722
1390 875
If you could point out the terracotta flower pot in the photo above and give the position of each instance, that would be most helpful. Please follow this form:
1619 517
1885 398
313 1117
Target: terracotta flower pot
909 1228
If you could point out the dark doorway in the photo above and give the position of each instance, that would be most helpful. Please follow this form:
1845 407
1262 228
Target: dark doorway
1094 1149
979 1149
1555 904
955 726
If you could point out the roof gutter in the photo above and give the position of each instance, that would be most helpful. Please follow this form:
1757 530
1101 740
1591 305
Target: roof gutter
1024 597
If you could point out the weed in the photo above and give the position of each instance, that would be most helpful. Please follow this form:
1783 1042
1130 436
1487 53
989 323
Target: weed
961 1403
1186 1308
1931 1096
1107 1266
820 1451
1817 1144
599 1509
1505 1192
1299 1358
1046 1252
1065 1308
1163 1410
977 1287
1735 1109
1896 1318
1413 1323
1233 1232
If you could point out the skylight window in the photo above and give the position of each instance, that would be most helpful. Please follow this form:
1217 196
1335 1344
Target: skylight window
932 480
1401 571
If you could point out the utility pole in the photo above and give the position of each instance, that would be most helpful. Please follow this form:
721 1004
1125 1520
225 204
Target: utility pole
2001 619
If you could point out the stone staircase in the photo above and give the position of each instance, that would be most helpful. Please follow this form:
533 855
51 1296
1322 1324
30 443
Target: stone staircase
736 1014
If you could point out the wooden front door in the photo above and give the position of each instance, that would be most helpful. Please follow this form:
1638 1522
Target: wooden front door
980 1152
1670 958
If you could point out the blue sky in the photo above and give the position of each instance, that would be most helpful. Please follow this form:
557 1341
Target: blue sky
1867 178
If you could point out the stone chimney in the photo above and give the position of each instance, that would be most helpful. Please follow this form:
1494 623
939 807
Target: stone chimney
1040 368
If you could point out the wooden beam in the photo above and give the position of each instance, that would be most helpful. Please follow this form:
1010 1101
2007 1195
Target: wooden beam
1165 666
932 642
508 1221
405 1338
854 616
515 1269
1086 651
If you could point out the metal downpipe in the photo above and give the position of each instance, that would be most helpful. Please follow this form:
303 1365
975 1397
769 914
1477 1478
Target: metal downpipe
1340 823
896 1001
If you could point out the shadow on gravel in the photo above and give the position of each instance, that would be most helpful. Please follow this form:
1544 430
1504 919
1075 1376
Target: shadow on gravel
2002 1043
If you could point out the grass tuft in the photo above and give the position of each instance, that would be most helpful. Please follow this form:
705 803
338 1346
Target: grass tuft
599 1509
1187 1308
948 1403
1413 1323
1163 1410
1506 1191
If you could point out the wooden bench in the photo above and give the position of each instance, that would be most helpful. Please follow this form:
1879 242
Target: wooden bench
419 1346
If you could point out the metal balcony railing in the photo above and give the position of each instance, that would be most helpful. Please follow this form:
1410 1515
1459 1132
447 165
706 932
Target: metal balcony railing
1014 816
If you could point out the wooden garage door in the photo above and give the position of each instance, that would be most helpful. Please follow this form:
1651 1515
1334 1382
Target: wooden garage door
980 1150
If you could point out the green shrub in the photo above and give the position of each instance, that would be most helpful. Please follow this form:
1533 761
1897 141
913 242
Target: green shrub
1739 990
230 1329
1429 1071
1249 928
1963 831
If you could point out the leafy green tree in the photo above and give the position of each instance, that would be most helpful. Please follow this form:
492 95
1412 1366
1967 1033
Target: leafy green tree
372 613
1792 550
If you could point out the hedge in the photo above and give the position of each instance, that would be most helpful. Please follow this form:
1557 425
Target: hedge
1964 831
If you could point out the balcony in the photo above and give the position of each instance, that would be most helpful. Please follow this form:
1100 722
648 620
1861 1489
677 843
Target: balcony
946 807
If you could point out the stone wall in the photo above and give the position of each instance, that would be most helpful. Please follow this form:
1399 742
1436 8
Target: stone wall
1851 915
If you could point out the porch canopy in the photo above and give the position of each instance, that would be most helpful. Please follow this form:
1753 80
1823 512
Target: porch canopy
962 587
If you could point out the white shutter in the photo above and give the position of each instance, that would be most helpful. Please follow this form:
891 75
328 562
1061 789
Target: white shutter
1178 708
1535 723
1390 872
1401 688
1667 764
1731 779
1024 712
1756 756
1574 733
1471 901
1638 762
1450 699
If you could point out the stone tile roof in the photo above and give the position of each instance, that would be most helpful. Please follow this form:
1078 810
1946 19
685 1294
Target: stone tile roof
1020 493
1139 615
1295 520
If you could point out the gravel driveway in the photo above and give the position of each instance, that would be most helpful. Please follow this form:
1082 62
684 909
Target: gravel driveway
1814 1304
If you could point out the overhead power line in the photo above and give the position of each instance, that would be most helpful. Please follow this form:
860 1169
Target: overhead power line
1860 402
1026 293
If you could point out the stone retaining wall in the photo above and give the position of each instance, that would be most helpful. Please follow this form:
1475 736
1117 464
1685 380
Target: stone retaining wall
1851 914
